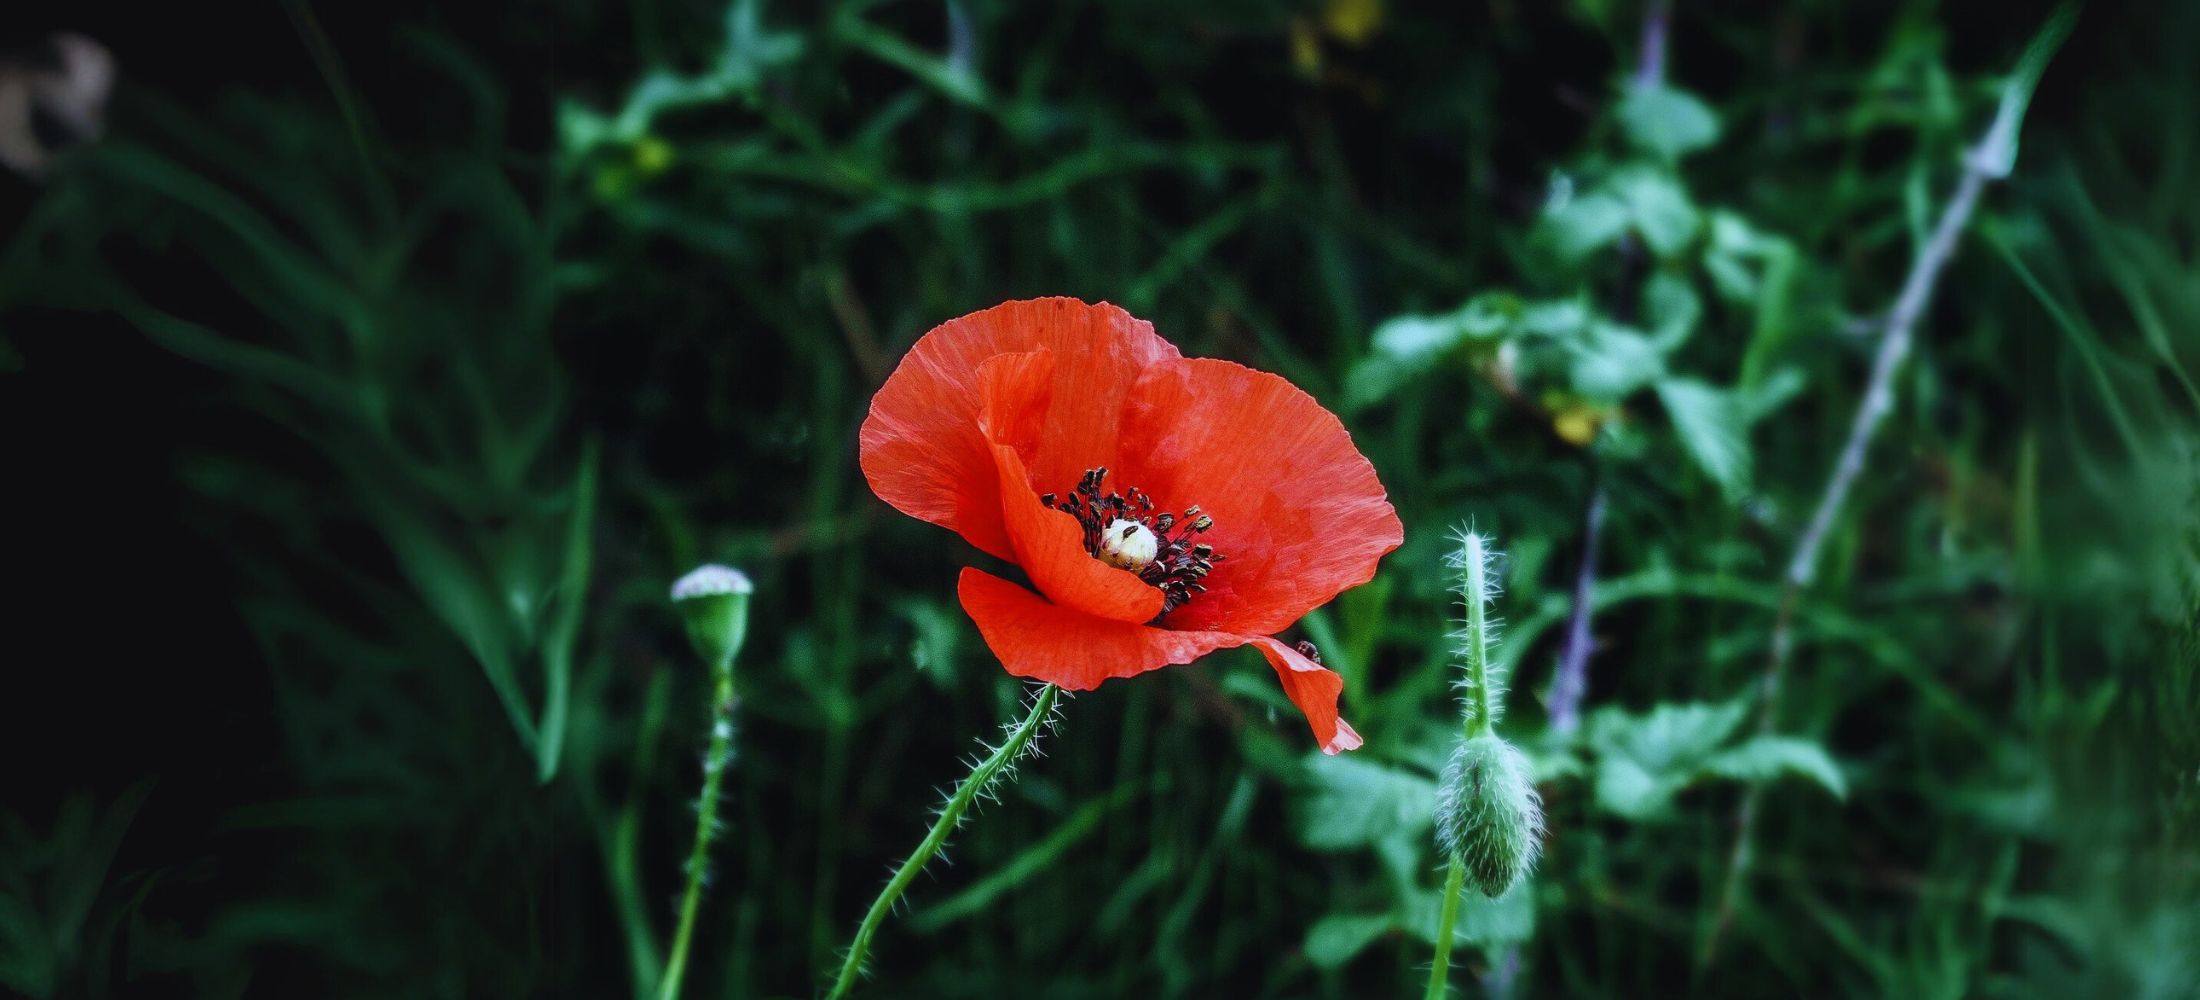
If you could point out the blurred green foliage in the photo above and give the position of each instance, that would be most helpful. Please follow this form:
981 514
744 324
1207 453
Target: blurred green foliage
498 370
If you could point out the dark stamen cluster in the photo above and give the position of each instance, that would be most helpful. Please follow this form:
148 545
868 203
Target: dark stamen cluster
1179 563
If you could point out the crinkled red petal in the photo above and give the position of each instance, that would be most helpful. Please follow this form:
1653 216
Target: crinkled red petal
921 448
1065 646
1298 512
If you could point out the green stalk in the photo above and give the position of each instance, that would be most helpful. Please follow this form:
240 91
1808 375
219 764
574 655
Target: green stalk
1475 644
1477 720
950 818
1455 885
706 826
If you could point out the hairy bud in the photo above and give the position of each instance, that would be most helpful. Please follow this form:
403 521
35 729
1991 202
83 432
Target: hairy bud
1488 814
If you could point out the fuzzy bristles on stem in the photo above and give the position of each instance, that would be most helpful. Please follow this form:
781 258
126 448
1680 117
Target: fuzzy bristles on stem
998 763
1489 819
1481 687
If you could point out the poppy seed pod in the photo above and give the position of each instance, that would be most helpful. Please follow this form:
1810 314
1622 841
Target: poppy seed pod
714 600
1488 814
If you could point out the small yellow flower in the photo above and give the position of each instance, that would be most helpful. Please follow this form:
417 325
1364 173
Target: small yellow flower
1577 424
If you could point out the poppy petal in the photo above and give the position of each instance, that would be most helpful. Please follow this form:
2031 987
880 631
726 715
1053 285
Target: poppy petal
921 447
1298 512
1015 390
1065 646
1314 689
1050 548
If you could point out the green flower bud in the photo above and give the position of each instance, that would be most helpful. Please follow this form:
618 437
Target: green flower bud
1488 814
715 601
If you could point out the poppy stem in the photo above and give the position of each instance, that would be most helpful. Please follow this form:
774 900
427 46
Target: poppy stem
715 761
950 817
1475 588
1455 885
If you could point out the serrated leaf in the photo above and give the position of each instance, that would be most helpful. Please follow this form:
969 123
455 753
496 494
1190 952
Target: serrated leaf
1666 121
1354 803
1335 939
1763 758
1713 425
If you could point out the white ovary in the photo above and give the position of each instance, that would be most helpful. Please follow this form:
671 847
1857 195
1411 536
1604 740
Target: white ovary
1128 545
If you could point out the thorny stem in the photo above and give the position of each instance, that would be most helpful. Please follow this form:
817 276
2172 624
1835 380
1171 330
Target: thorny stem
1572 680
715 761
1894 348
1455 885
950 817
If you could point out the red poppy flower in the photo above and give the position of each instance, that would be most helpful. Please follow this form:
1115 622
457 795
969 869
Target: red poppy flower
1164 507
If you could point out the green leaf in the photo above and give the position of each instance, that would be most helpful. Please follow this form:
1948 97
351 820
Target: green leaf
1376 378
1657 208
1665 121
1555 318
1673 309
1996 155
1416 339
1578 227
1406 346
936 645
1642 761
1354 803
1733 247
1774 392
1766 757
1481 920
1713 425
1625 787
1336 938
1610 361
1669 735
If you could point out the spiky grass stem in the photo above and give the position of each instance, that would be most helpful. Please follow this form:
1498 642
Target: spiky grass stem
981 778
716 759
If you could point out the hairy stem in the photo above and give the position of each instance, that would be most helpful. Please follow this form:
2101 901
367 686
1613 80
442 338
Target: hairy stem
1475 644
715 760
950 817
1455 885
